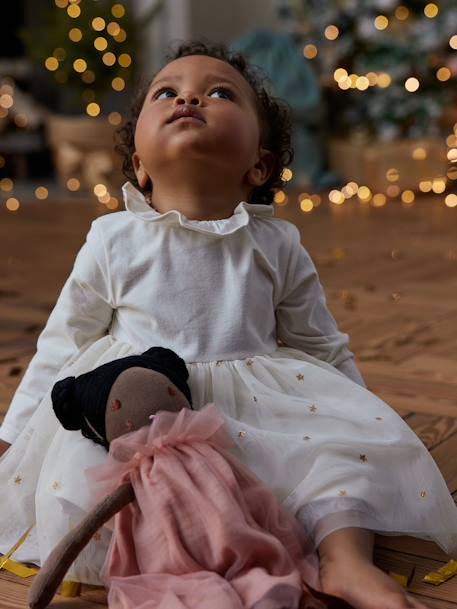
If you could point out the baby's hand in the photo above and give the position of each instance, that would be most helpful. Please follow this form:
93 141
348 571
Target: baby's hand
3 447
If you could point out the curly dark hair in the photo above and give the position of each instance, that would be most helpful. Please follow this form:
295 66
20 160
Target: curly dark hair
274 117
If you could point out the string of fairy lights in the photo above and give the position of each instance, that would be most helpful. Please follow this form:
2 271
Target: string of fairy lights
104 31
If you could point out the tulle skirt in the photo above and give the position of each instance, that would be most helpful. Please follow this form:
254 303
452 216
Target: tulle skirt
332 452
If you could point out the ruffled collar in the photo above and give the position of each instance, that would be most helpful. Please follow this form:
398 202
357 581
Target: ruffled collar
136 204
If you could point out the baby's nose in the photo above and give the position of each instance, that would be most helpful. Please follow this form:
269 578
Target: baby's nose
188 98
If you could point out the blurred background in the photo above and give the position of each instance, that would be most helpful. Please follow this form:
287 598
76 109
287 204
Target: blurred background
371 83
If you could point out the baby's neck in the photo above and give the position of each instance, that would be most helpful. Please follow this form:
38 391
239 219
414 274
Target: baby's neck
197 204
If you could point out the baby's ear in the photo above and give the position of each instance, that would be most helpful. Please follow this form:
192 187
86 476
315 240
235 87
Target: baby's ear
140 171
262 169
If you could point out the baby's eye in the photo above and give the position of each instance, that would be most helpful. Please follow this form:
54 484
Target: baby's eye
226 92
160 93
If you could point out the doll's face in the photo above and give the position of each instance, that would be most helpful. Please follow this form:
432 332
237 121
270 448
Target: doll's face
136 396
228 135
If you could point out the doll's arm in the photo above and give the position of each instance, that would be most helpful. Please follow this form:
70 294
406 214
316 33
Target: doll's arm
303 319
82 314
59 561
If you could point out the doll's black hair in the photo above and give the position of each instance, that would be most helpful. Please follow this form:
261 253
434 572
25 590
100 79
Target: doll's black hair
274 116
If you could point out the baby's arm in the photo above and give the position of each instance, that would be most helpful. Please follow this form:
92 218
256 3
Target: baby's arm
303 319
81 315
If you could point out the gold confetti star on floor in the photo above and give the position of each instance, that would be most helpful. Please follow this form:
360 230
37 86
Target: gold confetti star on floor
219 362
17 480
313 408
241 434
363 458
249 362
423 494
300 377
56 485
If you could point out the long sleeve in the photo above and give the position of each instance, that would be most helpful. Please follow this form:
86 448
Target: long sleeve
81 315
303 319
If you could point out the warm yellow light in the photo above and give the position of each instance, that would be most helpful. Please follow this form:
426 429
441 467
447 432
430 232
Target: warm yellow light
364 194
451 140
392 174
118 10
372 78
408 196
6 184
41 192
21 120
336 197
100 43
59 54
118 83
402 13
109 59
453 42
100 190
316 200
362 83
443 74
93 109
73 184
379 199
75 34
12 204
73 11
306 205
419 154
79 65
310 51
331 32
88 77
412 84
280 197
439 185
61 3
393 190
51 64
431 10
98 24
452 155
6 100
451 173
352 188
104 198
425 186
286 174
121 36
114 118
124 60
344 83
451 200
113 203
339 74
113 28
384 80
381 22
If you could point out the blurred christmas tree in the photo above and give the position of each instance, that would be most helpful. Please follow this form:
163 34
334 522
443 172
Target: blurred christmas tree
87 47
390 66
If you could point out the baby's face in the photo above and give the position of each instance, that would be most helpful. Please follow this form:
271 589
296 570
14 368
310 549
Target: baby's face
227 137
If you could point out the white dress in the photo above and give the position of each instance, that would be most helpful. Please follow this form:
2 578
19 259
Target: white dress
239 299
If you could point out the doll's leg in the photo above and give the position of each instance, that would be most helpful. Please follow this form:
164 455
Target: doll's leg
347 571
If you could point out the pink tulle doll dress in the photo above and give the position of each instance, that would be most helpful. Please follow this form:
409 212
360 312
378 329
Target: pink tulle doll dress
203 531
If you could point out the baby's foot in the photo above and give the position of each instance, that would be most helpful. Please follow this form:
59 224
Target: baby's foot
364 586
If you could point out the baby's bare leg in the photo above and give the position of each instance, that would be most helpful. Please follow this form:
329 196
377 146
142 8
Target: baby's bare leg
347 571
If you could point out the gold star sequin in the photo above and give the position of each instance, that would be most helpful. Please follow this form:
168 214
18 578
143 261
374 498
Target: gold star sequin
306 438
56 485
241 434
17 480
342 493
423 494
300 377
254 398
249 362
379 418
313 408
363 458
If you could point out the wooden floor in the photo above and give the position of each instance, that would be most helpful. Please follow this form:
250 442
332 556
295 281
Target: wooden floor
390 276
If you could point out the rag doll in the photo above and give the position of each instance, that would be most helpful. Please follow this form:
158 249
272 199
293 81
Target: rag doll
138 398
